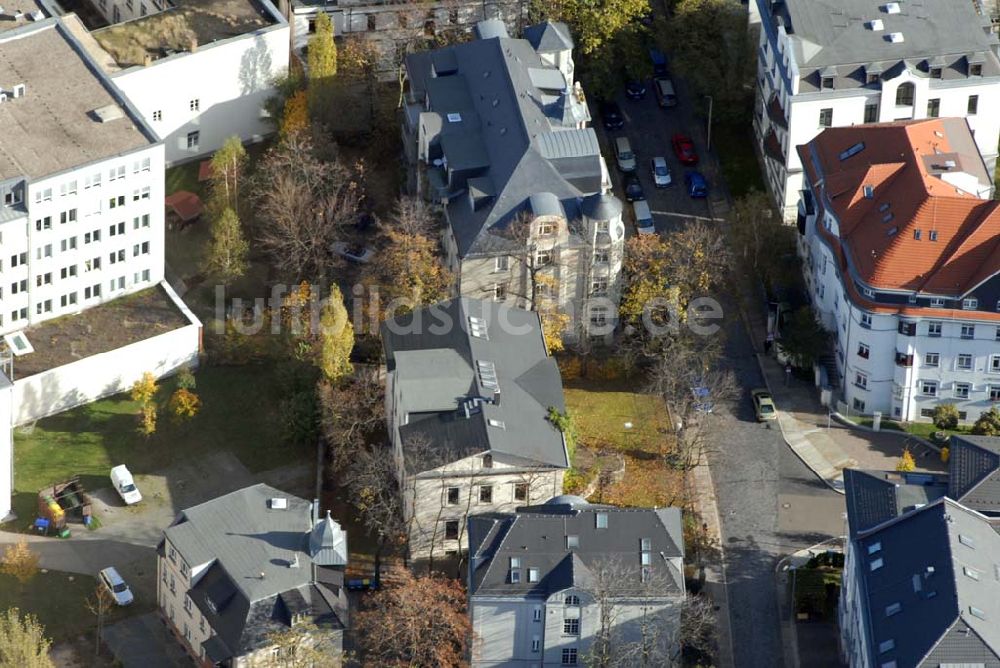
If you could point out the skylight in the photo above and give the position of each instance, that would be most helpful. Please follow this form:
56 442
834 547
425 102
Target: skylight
874 547
487 374
454 118
876 564
966 541
976 612
852 151
971 573
477 327
499 424
892 609
18 344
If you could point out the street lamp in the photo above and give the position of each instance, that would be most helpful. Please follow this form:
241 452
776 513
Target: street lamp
708 143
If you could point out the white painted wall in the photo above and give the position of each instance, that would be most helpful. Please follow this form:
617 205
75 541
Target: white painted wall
217 91
6 447
101 375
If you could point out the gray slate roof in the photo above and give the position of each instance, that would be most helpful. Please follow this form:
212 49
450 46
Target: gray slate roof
938 564
974 467
242 537
549 37
876 497
833 37
436 363
494 109
537 534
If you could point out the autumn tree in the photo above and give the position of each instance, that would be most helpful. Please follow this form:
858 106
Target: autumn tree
336 337
322 64
906 461
147 420
988 423
144 389
22 641
593 23
226 256
99 603
303 204
20 562
295 117
301 646
184 404
763 246
416 621
228 167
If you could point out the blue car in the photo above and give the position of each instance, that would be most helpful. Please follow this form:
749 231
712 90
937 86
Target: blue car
697 187
659 61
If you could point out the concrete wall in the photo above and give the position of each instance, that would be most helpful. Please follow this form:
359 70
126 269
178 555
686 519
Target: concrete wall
97 376
6 447
230 81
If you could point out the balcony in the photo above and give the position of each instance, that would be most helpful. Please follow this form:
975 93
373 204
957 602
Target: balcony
904 360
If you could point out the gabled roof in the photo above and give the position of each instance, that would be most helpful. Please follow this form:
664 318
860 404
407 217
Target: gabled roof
537 535
974 467
926 575
549 37
922 176
473 376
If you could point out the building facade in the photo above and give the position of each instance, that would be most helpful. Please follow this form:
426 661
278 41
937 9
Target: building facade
901 249
865 62
197 72
469 391
496 130
548 581
235 570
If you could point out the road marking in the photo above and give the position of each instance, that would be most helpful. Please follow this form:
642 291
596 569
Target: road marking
686 215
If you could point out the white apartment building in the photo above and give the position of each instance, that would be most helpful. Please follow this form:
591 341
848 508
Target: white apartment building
81 180
254 562
902 259
826 65
496 130
197 71
469 387
548 580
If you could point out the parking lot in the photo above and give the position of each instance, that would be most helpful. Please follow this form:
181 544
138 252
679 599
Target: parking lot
649 129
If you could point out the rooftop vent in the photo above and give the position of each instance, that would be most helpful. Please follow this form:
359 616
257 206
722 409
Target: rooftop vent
876 25
950 164
896 37
279 503
37 15
108 113
18 90
454 118
892 8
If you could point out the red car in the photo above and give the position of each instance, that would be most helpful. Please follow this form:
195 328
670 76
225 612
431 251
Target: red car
684 149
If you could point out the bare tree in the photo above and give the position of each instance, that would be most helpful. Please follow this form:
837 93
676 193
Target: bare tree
351 414
303 204
301 646
371 477
22 641
99 604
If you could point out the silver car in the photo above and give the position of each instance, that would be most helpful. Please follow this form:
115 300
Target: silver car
116 586
661 172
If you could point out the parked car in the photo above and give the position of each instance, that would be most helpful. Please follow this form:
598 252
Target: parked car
353 252
116 586
660 171
664 89
684 149
635 89
763 405
697 187
633 189
612 115
659 60
643 217
624 154
121 480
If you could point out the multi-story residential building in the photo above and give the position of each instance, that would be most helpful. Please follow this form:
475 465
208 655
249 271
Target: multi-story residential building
547 581
826 65
469 391
81 178
198 71
902 256
496 130
233 571
393 27
920 584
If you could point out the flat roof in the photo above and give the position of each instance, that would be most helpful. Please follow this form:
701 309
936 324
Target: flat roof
27 8
177 28
99 329
52 127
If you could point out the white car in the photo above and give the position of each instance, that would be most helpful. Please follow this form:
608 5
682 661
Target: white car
661 172
122 481
116 586
354 253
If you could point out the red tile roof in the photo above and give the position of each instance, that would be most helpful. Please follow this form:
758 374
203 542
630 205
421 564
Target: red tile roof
898 163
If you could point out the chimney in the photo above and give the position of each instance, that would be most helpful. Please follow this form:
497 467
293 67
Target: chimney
147 59
193 44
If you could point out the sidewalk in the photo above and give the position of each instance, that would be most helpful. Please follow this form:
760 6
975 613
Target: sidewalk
714 569
823 443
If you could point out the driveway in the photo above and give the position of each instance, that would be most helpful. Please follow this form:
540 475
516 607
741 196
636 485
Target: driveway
144 642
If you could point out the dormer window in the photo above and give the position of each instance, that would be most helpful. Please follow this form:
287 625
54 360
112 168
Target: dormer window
826 83
546 229
975 70
935 73
487 461
871 78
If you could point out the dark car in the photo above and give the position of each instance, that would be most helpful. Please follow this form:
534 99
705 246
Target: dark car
635 89
612 115
696 185
659 61
633 189
684 149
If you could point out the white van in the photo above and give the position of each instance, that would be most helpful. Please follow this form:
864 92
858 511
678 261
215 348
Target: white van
643 217
624 154
122 481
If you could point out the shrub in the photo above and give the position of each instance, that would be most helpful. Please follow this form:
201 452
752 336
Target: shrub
988 423
574 482
945 416
184 403
570 367
945 454
906 462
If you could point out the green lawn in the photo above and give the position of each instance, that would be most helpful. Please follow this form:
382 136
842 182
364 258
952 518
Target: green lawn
922 430
734 146
55 599
185 177
601 409
239 413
